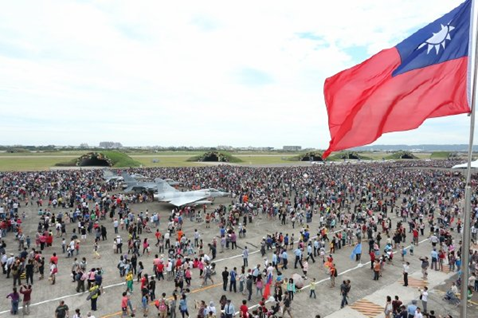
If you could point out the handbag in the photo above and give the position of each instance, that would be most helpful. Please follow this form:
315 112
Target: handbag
93 293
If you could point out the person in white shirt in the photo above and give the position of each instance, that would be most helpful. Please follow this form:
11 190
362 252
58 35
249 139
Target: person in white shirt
418 313
424 298
454 289
211 308
471 280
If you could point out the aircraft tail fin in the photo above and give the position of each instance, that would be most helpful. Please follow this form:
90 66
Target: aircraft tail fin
163 186
127 178
107 174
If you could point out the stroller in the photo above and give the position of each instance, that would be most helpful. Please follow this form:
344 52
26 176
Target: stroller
451 298
199 218
147 229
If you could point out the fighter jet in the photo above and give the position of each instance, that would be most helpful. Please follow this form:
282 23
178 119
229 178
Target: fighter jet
168 194
132 184
171 182
110 176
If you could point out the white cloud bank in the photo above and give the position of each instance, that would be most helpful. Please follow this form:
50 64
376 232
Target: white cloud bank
193 72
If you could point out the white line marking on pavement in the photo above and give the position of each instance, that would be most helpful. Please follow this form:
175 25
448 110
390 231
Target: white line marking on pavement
60 298
360 265
219 260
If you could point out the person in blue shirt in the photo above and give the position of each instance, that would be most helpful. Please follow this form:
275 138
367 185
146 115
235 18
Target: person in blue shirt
229 310
284 259
144 303
298 257
434 255
316 247
232 284
274 260
411 309
306 236
309 252
183 306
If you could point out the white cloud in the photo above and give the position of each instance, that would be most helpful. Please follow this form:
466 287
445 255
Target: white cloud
169 73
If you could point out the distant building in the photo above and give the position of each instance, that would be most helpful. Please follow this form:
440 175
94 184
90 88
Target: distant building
110 144
292 148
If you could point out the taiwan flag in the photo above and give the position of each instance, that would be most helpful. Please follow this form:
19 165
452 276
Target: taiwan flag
424 76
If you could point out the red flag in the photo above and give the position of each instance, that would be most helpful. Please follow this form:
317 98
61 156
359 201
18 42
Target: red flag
424 76
267 291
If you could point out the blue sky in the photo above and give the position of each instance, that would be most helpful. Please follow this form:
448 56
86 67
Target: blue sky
195 73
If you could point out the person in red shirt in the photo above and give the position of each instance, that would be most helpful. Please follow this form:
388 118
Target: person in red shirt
178 263
54 259
42 239
124 304
415 236
144 281
26 291
160 270
244 309
372 259
158 237
49 239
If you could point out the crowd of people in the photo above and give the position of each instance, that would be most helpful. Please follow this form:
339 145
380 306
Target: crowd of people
318 211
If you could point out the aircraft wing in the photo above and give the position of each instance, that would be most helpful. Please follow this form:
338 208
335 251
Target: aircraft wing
186 199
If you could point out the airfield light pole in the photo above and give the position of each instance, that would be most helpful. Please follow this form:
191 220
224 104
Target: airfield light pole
465 251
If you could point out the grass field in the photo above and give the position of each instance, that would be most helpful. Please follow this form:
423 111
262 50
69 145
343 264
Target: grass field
46 160
32 163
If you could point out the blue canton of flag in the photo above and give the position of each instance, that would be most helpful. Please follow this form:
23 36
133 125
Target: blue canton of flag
445 39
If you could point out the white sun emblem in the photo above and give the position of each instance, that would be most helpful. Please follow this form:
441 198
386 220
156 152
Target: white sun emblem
438 39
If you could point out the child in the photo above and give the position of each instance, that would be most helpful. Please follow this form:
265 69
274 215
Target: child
404 252
411 250
95 251
305 268
312 289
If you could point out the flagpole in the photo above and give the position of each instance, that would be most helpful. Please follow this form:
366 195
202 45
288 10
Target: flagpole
467 213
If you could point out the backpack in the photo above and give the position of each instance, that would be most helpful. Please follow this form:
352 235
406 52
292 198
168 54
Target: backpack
162 306
347 288
335 272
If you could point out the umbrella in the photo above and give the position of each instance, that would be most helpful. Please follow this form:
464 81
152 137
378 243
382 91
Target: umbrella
298 280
